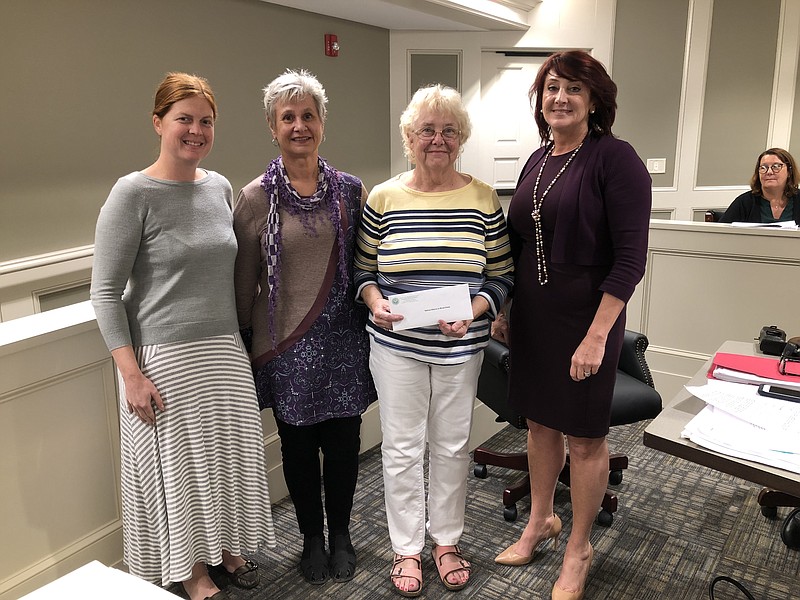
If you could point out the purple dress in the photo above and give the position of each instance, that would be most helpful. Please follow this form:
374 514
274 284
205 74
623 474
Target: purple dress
549 322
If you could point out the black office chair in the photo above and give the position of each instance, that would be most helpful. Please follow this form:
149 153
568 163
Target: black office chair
770 500
635 399
713 215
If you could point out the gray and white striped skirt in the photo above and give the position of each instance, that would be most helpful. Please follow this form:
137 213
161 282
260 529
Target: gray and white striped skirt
194 484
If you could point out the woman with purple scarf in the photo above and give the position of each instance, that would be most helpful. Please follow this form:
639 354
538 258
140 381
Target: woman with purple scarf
295 225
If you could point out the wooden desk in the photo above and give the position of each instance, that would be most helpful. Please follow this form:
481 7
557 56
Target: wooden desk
664 433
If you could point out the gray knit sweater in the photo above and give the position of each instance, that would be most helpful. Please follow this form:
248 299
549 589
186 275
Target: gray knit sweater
163 261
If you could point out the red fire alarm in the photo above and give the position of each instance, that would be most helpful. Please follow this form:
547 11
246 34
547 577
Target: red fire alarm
331 45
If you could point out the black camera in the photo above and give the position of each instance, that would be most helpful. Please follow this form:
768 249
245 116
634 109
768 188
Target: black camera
772 340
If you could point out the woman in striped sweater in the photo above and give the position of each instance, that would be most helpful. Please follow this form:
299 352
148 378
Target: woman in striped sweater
429 228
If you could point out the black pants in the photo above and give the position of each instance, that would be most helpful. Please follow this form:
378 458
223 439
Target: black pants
339 440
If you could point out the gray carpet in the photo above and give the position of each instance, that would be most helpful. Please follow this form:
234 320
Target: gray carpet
677 527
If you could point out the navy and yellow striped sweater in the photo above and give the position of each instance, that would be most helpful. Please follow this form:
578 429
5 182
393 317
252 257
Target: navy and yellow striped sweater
410 241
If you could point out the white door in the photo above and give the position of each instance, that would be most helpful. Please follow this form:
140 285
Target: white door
508 133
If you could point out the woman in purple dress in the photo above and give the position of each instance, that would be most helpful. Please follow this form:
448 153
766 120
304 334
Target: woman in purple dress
295 225
579 223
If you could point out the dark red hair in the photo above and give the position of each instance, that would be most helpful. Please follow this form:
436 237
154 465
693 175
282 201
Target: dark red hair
578 65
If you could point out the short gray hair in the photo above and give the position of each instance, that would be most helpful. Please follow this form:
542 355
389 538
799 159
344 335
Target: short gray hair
293 85
438 99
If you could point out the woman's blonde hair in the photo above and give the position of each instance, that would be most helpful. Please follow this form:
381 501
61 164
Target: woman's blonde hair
439 99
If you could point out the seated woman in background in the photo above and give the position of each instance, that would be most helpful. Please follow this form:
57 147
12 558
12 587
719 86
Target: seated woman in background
773 194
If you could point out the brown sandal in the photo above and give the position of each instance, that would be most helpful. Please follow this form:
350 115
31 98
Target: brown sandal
399 571
446 568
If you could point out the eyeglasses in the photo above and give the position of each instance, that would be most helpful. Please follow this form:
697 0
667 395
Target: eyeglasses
428 133
776 168
789 363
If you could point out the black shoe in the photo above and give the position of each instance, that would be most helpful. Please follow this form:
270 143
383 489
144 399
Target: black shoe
245 577
179 590
343 557
314 563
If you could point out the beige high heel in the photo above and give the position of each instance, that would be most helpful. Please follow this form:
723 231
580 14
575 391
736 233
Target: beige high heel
562 594
510 557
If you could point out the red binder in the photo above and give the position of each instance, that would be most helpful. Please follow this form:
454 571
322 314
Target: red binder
755 365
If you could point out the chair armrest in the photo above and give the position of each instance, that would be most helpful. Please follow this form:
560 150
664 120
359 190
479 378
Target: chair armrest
493 384
497 355
632 359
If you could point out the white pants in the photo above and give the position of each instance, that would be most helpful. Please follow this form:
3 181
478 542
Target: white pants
422 402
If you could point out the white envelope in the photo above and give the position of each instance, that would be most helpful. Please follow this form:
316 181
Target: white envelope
421 309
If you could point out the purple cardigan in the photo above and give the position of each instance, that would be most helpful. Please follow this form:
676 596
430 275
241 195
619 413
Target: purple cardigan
604 212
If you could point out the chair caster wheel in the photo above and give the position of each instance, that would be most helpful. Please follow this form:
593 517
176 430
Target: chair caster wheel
790 532
771 512
605 518
615 477
510 513
480 471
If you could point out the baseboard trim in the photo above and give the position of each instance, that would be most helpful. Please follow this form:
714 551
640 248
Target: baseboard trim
104 545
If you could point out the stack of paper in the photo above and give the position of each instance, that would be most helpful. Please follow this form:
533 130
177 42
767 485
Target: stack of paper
781 224
738 422
741 377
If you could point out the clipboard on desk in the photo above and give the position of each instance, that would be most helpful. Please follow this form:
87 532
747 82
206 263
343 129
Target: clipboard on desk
760 367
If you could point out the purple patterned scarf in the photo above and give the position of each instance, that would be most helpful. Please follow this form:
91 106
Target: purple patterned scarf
279 191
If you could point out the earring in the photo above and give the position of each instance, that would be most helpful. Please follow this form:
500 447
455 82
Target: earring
323 137
275 142
591 112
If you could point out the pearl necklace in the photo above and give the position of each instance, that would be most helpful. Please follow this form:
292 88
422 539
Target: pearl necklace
536 213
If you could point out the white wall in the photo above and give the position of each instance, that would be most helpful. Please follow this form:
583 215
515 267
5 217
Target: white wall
587 24
685 198
590 24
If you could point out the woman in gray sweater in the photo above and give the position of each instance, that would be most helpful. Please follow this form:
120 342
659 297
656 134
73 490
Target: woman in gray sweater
194 485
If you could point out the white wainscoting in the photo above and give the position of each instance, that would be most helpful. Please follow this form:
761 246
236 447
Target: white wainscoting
59 437
706 283
59 448
56 274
